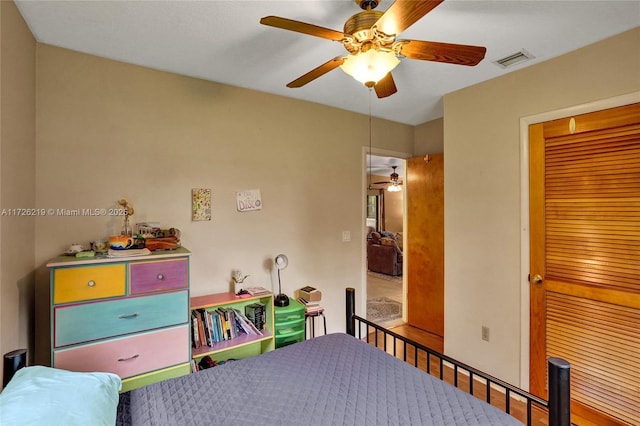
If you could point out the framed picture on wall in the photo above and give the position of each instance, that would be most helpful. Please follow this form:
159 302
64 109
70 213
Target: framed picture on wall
372 211
372 206
200 204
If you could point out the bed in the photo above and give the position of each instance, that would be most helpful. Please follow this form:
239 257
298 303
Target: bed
330 380
335 379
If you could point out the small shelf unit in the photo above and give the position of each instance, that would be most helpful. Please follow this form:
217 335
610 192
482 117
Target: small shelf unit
289 324
244 345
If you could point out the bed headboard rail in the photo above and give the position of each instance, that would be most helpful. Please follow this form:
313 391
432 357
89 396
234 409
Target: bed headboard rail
557 409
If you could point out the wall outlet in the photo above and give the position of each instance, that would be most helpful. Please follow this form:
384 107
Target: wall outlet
485 333
346 236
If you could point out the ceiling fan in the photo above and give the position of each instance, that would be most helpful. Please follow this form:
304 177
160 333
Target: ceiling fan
370 38
394 181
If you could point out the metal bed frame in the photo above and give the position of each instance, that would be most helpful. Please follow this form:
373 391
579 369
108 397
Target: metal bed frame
558 406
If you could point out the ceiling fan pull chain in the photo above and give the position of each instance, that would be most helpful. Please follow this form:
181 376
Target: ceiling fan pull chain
370 89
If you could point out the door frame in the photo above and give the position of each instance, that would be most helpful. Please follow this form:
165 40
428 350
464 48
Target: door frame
363 215
525 122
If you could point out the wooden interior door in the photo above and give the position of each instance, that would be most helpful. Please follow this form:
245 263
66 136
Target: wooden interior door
424 253
585 260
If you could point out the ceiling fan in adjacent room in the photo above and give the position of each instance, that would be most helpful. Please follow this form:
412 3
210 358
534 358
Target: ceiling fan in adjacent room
370 38
394 181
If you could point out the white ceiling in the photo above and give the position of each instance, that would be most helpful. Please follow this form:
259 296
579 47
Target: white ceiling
223 41
383 166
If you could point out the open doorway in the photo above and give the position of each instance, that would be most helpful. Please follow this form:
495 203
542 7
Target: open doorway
385 239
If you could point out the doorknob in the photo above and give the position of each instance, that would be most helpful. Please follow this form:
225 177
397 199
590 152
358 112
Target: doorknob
536 279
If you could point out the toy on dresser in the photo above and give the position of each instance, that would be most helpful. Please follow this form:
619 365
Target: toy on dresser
156 238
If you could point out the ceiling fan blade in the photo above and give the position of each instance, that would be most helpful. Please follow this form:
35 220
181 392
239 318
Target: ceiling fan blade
302 27
404 13
459 54
317 72
385 87
380 183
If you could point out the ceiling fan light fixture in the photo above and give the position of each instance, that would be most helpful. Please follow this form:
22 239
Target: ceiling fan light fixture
371 66
370 38
394 187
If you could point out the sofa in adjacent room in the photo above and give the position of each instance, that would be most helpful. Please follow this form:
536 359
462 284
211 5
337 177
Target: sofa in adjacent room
384 255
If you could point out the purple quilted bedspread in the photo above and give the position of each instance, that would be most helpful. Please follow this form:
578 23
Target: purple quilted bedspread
330 380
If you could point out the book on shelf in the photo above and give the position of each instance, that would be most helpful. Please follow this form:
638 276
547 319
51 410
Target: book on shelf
246 324
233 326
215 328
257 291
210 322
220 327
224 324
256 313
212 326
228 323
195 330
201 334
202 322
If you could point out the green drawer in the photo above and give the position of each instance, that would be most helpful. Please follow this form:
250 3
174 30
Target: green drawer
294 311
289 339
92 321
290 327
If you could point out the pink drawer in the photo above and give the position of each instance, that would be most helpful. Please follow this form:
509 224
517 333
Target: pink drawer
159 275
129 356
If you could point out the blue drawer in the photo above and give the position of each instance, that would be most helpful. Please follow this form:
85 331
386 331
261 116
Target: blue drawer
91 321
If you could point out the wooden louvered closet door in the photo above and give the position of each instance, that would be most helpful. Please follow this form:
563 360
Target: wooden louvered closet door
585 245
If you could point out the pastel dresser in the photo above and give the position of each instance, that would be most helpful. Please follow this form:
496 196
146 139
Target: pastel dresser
125 315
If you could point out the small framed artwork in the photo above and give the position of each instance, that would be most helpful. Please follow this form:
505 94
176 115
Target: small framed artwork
249 200
200 204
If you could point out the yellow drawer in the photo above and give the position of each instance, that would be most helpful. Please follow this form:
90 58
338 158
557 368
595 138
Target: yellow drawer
88 283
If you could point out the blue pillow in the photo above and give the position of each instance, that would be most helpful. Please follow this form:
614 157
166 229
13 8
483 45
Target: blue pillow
388 235
41 395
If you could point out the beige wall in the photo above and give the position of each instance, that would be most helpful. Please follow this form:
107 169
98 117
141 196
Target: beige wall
483 271
17 179
429 137
393 210
393 205
109 130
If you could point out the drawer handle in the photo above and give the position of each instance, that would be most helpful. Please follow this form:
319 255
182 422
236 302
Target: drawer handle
160 277
91 283
128 359
126 316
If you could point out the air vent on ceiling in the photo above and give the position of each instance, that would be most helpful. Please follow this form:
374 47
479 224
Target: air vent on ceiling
514 59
